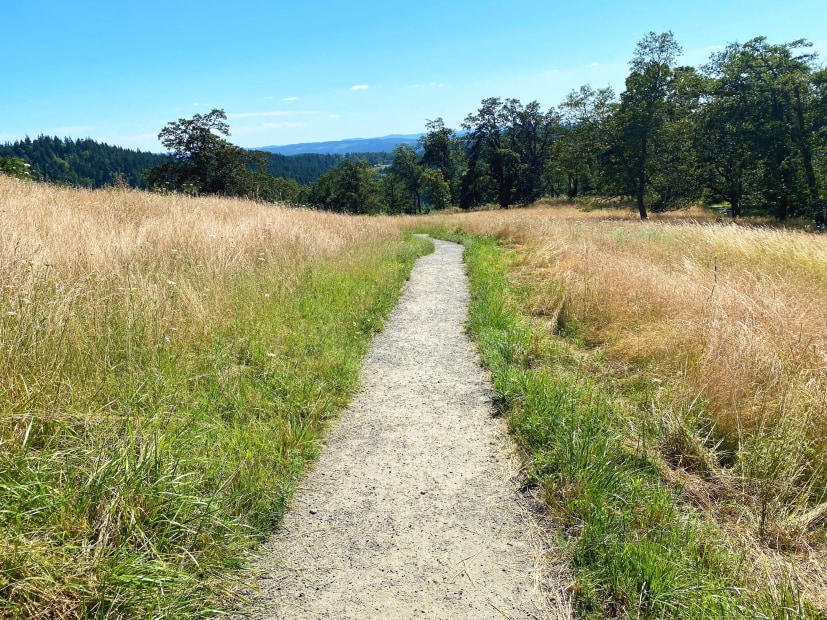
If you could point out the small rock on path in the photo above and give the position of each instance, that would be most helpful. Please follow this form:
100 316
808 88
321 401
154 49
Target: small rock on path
411 511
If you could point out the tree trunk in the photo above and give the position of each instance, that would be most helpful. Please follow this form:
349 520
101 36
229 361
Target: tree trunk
641 186
805 151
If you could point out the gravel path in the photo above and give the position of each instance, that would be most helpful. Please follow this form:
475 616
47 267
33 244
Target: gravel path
411 511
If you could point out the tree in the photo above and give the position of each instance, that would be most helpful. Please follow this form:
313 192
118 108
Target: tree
642 114
488 156
576 154
442 150
350 187
408 170
14 167
673 177
508 143
435 189
200 161
395 196
529 133
766 96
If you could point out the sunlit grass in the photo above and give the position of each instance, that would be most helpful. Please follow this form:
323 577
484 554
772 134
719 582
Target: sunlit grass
713 336
166 364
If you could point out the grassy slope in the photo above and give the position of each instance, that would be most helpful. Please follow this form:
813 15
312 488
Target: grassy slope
638 549
154 417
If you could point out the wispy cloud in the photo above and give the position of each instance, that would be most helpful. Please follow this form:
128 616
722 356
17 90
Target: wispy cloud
74 131
290 99
360 87
595 64
266 127
130 139
268 113
333 116
429 85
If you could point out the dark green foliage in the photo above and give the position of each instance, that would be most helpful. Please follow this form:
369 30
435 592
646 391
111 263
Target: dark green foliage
202 162
762 128
350 187
407 169
747 129
508 147
306 168
82 162
573 167
443 150
14 167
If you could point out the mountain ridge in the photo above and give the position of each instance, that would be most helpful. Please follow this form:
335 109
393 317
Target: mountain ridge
383 144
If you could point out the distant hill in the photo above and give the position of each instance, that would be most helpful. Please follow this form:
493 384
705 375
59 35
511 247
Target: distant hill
384 144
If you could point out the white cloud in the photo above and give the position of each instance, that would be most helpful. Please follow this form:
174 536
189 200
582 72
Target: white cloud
195 105
430 84
265 127
266 114
290 99
360 87
333 116
595 64
74 131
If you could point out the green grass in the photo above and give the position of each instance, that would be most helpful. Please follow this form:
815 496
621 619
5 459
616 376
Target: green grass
139 462
636 548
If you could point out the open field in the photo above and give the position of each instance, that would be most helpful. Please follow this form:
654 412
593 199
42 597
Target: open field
697 351
165 366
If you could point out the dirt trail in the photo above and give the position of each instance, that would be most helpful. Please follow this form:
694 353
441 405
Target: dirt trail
411 511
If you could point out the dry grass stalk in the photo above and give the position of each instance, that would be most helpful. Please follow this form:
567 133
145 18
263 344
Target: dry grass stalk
683 310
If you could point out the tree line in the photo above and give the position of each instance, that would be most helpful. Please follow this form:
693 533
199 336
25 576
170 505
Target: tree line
747 129
82 162
88 163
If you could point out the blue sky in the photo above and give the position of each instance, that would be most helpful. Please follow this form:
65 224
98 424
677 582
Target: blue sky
306 71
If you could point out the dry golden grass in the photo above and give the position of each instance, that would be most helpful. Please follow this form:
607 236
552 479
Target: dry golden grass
737 314
166 364
80 232
719 332
70 253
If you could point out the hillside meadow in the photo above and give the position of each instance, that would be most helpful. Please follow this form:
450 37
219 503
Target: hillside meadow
668 383
166 366
168 363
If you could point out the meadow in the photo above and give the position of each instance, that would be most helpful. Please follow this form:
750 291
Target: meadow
668 383
166 366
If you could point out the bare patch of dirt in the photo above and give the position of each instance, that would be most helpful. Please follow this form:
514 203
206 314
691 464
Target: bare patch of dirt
412 511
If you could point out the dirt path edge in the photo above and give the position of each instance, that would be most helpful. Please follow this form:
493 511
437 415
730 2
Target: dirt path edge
412 510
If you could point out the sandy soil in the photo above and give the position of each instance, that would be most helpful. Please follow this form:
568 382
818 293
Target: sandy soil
412 510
